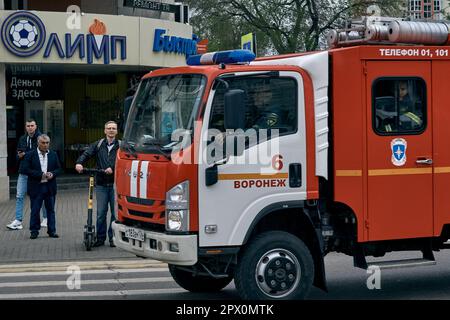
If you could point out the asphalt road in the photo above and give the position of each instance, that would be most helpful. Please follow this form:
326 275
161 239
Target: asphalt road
155 283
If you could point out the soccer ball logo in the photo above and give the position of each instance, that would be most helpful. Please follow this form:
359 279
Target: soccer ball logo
23 34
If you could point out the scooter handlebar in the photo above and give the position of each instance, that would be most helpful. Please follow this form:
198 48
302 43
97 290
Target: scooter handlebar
92 170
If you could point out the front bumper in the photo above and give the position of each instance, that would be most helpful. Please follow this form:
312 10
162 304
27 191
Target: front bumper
157 246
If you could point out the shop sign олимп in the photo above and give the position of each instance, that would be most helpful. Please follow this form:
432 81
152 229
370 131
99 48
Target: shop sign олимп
24 35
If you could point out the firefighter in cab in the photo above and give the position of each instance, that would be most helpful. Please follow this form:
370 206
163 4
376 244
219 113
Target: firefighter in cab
407 118
267 111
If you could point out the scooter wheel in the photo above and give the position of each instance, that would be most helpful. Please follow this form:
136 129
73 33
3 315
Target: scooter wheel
88 241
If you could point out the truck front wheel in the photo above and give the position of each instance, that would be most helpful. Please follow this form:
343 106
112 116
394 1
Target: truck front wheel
194 283
275 265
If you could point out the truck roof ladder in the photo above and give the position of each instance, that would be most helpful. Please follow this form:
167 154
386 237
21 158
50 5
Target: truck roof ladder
390 31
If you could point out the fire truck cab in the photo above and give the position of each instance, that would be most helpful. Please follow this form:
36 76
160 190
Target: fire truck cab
255 170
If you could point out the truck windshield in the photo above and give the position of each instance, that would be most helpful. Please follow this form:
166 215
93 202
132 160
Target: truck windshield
163 105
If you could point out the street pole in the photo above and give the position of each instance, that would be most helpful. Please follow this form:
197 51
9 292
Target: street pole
4 179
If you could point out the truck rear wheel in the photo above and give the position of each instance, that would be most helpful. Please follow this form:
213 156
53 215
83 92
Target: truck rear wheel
195 283
275 265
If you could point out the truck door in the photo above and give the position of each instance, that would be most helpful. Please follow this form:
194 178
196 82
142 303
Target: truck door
399 150
268 172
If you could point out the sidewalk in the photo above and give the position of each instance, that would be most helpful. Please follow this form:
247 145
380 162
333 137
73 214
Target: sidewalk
71 215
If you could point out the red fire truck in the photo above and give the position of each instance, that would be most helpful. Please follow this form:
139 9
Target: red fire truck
360 162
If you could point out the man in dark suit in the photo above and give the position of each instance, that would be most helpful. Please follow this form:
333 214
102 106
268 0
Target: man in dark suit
42 166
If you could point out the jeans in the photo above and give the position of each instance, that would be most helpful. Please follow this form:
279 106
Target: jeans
105 195
36 204
20 197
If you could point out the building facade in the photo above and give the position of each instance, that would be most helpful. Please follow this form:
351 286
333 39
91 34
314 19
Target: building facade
428 9
70 64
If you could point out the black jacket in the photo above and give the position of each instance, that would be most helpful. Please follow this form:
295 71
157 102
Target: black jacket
104 160
31 166
23 146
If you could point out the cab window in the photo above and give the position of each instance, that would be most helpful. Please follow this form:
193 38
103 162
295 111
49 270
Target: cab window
399 106
271 103
270 110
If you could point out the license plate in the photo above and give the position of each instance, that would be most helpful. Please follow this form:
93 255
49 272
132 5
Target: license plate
135 234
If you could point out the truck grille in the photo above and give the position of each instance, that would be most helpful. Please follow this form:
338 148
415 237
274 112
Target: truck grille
145 225
144 202
141 214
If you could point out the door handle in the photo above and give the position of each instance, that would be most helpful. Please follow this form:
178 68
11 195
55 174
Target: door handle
295 175
424 161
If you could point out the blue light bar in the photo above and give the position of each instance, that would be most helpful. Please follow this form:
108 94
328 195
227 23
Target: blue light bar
230 56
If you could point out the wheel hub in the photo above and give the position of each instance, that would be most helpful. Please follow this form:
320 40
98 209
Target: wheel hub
278 273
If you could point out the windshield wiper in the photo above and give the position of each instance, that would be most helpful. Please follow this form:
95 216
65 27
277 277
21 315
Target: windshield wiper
153 142
158 147
130 149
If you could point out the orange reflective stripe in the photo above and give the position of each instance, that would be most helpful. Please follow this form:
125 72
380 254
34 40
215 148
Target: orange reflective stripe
245 176
348 173
394 172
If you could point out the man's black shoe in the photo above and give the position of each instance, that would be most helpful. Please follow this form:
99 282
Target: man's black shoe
33 236
53 235
111 244
98 243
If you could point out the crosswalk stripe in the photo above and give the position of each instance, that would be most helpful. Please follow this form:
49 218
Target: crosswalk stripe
105 271
84 282
83 265
89 294
110 263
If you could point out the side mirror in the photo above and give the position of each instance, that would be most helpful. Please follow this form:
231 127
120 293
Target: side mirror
211 176
234 113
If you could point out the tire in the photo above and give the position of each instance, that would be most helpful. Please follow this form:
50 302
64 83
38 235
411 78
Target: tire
88 241
275 265
188 281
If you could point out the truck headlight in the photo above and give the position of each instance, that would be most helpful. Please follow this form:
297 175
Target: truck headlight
177 208
175 220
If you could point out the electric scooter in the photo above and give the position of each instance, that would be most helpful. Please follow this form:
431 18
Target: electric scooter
89 229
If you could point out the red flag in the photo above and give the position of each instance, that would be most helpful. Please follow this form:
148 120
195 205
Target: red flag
202 46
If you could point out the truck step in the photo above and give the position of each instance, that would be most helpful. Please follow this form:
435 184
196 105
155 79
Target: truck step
425 245
402 263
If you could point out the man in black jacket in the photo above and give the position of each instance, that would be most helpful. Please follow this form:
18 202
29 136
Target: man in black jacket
26 143
105 151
